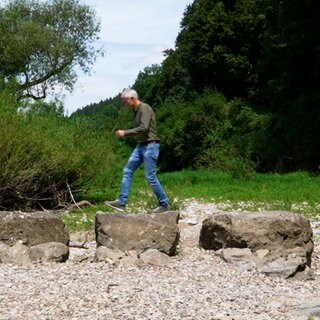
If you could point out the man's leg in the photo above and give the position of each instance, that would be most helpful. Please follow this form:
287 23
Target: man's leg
132 165
150 155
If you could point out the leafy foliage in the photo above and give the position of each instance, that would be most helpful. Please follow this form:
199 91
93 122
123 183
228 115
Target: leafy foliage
44 157
289 74
211 133
147 84
41 44
217 47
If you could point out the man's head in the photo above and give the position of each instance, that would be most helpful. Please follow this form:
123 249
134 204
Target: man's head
130 98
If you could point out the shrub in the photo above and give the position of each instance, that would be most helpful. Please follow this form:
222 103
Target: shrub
183 127
45 158
211 132
235 142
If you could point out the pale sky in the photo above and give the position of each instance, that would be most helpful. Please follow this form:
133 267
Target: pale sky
134 34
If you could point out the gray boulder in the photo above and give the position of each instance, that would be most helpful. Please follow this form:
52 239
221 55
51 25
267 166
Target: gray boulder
33 236
49 252
138 232
280 241
32 228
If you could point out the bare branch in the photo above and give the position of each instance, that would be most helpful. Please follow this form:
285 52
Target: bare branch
71 195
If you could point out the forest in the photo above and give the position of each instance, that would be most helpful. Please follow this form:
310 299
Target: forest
238 93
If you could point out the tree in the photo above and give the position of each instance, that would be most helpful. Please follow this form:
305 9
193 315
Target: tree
43 43
146 85
218 46
289 76
266 52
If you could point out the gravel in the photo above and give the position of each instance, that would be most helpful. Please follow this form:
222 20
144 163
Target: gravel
196 284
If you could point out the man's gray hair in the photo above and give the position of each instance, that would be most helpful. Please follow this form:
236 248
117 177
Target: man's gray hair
129 93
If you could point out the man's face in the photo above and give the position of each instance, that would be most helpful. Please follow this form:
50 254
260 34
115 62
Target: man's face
129 102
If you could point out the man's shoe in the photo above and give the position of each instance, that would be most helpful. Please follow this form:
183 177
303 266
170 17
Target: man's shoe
159 209
115 205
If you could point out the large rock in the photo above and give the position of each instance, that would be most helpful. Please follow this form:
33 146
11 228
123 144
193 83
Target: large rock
49 252
138 232
32 228
280 241
33 236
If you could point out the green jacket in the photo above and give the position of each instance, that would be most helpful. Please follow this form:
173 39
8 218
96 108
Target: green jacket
145 124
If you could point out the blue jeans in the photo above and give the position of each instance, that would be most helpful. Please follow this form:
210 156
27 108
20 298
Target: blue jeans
147 154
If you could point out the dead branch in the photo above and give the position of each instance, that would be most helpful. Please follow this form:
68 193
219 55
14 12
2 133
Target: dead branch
71 195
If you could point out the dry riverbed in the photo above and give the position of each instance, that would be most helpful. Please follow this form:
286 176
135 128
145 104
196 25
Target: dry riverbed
196 284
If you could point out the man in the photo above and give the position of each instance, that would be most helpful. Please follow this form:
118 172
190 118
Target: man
146 151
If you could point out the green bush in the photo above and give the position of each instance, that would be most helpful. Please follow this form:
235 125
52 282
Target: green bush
234 144
184 126
45 159
211 133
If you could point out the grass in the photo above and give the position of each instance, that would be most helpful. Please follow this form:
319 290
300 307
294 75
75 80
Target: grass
298 192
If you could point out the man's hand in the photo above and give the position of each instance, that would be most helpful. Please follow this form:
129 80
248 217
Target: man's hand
120 133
